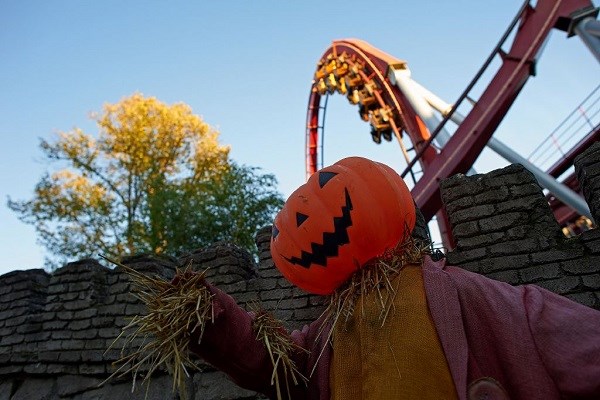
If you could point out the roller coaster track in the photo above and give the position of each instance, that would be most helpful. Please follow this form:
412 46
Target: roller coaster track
362 73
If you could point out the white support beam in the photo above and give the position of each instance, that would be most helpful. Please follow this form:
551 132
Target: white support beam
401 78
588 31
561 191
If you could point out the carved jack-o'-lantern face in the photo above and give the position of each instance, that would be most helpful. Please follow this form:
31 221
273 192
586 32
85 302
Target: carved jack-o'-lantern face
344 216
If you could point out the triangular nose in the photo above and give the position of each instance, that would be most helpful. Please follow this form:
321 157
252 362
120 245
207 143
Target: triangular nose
300 218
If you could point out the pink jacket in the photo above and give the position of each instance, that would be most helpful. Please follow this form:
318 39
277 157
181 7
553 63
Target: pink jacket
533 343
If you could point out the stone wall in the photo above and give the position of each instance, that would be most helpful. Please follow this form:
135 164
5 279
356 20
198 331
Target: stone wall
504 229
55 328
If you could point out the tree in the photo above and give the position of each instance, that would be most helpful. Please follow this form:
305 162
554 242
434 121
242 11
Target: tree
231 208
154 179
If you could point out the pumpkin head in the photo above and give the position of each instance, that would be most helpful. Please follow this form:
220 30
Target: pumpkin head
344 216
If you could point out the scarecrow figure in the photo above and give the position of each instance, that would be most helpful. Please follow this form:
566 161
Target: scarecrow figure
399 324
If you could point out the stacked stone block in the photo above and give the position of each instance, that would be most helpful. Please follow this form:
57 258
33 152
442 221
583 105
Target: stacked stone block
505 229
587 168
22 298
56 329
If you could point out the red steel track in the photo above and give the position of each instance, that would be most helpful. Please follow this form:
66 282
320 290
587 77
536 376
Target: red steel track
358 70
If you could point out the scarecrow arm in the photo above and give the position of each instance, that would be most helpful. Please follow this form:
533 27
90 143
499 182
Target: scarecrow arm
567 335
229 343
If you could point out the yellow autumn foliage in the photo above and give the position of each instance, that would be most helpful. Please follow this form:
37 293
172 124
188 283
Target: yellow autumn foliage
118 187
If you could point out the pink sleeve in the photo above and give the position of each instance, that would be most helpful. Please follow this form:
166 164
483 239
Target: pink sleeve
567 336
230 345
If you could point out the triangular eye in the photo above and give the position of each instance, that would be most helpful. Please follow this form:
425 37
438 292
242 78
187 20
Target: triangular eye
300 218
275 232
325 177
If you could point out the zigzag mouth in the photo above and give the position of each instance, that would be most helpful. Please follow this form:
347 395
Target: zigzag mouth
331 240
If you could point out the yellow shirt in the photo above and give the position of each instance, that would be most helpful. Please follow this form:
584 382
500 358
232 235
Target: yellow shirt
403 359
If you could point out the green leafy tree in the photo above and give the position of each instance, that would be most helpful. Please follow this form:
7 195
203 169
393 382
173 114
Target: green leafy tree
154 179
232 208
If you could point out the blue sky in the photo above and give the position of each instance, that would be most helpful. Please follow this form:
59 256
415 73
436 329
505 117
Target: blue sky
246 68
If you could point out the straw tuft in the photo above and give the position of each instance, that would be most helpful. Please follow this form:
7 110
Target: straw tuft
174 310
279 345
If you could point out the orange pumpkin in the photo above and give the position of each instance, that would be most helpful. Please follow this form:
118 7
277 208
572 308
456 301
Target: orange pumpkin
344 216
